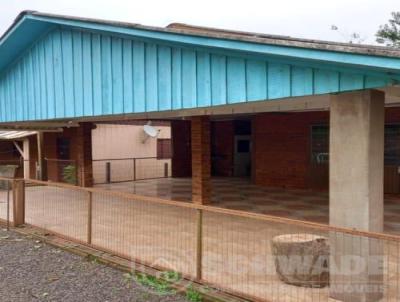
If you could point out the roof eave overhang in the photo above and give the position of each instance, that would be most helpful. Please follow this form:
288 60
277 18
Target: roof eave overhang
388 64
39 24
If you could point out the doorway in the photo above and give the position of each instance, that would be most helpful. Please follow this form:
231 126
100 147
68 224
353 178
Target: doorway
63 159
242 156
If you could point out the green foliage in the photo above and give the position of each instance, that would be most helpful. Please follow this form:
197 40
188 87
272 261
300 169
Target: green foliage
193 295
159 285
163 284
92 258
69 174
389 34
171 276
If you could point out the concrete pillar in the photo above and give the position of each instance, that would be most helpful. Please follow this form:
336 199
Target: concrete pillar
356 193
84 154
42 165
18 187
201 160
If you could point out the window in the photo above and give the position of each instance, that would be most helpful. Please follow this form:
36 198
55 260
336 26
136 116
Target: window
320 144
243 146
392 145
163 148
63 148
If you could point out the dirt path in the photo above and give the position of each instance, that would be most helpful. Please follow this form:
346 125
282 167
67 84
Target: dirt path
33 271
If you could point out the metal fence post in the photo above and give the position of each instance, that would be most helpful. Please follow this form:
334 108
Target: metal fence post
18 202
134 169
89 217
8 205
199 245
165 170
76 173
108 172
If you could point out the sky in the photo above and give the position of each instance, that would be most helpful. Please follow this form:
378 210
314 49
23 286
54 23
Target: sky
302 18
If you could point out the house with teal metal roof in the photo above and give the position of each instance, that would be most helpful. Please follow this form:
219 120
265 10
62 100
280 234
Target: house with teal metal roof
264 113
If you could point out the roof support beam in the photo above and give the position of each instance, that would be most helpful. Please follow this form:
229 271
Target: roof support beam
19 149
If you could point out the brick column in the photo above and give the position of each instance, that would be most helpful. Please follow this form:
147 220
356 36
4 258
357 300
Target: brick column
84 154
201 160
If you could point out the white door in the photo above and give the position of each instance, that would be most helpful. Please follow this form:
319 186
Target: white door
242 156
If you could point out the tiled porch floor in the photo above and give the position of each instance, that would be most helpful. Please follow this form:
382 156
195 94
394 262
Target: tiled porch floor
241 194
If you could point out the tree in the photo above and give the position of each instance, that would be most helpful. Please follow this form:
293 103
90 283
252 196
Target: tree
389 34
352 38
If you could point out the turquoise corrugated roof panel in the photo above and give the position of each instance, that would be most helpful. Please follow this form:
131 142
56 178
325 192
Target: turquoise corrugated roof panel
76 69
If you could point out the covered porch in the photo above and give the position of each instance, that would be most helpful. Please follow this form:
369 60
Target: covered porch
242 194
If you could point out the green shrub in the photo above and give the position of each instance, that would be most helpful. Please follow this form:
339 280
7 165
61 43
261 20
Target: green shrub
193 295
159 285
69 174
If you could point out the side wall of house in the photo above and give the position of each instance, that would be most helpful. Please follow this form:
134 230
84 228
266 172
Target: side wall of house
181 148
282 150
117 145
222 136
281 153
125 141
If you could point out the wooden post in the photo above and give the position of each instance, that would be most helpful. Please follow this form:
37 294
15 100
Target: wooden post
41 160
18 202
89 217
199 245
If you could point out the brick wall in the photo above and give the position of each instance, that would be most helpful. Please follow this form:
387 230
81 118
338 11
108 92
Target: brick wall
82 148
80 152
392 115
281 149
222 133
181 148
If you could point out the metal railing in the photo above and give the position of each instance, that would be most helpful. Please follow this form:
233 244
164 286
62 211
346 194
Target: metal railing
130 169
252 255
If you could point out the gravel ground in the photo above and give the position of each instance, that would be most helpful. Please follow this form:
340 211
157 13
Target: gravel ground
33 271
